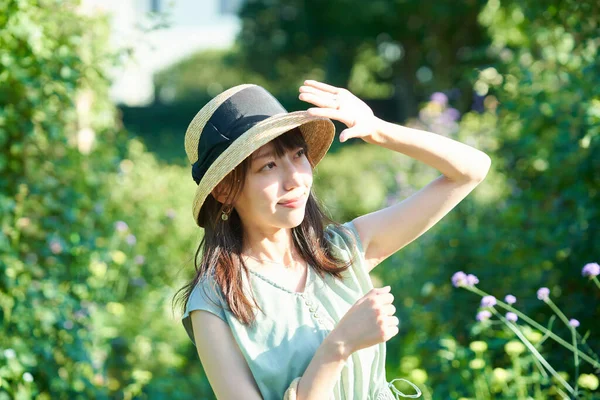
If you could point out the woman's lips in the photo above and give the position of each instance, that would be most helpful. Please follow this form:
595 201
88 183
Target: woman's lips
293 204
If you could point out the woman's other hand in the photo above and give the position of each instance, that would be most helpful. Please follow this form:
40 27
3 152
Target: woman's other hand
341 105
368 322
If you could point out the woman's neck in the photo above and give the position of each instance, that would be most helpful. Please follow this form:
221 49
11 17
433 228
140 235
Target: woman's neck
276 246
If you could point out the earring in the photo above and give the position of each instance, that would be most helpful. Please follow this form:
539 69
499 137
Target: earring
225 214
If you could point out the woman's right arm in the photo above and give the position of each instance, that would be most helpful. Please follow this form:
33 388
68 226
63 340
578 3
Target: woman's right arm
324 370
368 322
227 370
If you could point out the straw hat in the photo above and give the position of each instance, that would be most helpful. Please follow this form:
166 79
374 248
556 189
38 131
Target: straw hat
234 124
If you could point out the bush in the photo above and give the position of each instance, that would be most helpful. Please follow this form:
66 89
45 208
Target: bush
83 265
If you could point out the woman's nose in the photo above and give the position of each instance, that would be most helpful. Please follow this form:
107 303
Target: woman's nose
292 173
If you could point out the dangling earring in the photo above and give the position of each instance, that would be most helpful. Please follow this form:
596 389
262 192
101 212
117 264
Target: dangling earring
225 214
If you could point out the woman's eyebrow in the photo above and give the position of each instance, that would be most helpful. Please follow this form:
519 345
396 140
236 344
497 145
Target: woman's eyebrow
264 155
268 154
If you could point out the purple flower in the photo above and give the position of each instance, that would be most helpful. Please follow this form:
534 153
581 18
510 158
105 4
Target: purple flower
511 316
488 301
452 114
440 98
591 270
121 226
441 123
510 299
472 280
459 279
130 239
483 315
543 293
574 323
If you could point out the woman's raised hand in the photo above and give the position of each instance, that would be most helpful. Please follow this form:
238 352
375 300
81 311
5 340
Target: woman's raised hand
368 322
340 104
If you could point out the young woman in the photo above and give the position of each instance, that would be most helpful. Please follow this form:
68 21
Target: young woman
282 304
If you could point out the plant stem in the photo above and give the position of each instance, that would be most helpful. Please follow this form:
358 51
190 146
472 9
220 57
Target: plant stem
521 389
560 314
574 336
563 394
596 281
538 390
525 318
531 348
564 319
540 367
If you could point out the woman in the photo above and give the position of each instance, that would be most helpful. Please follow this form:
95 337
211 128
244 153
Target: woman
315 328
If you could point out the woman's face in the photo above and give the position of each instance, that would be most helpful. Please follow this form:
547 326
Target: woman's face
272 181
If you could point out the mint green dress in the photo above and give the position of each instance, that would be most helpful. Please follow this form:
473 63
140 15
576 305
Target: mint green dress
285 338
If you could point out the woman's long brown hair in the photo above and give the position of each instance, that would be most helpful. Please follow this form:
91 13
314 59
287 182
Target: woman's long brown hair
221 245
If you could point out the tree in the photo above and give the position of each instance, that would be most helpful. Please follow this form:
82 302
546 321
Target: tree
424 45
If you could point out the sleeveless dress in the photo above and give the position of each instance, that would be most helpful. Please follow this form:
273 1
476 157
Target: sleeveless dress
279 347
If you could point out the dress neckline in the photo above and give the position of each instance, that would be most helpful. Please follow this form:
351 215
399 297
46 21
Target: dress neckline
306 284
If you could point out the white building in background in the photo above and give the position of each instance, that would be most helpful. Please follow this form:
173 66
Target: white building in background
193 25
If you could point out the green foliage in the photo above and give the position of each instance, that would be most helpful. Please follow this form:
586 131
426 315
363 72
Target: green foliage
346 192
83 297
389 50
547 82
194 77
50 59
535 219
500 368
419 48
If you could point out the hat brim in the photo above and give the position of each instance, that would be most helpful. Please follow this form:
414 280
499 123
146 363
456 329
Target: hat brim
318 133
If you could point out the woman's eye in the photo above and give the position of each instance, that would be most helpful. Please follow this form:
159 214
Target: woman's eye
265 167
300 153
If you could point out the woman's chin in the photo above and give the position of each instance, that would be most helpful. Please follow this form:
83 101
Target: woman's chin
293 218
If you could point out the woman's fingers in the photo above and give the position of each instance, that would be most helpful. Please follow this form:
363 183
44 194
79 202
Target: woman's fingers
335 103
389 309
318 100
313 90
386 298
329 113
322 86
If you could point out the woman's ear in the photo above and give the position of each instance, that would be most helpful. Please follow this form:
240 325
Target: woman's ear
220 193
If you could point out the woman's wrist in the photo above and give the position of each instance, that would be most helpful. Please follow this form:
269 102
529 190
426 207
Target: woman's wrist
338 348
323 371
377 135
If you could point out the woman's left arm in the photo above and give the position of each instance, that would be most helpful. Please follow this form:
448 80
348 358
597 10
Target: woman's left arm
463 167
457 161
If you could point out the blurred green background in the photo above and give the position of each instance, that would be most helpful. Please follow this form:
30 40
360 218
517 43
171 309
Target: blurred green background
95 205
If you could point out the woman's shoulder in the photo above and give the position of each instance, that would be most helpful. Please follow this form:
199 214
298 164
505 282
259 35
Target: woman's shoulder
344 237
206 291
